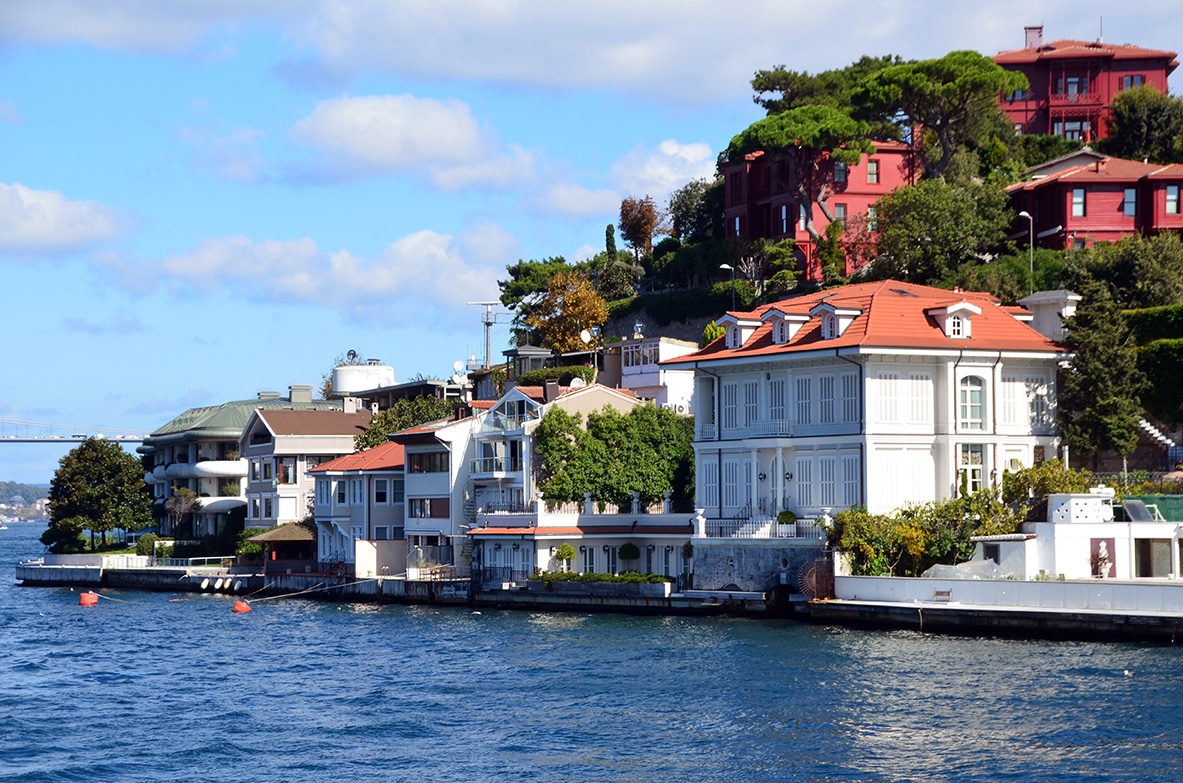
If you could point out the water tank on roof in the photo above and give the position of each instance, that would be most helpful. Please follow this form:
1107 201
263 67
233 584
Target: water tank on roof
353 378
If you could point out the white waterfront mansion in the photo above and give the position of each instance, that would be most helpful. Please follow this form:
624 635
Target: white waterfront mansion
875 394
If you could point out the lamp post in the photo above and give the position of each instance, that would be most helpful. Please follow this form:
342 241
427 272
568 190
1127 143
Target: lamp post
1030 248
731 269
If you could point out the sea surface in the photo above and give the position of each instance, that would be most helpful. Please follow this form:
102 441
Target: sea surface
175 687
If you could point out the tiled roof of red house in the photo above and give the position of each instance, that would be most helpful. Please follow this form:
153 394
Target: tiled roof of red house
1112 170
286 422
1071 49
388 456
894 315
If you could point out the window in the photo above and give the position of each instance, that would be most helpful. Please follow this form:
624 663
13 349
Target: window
356 494
829 326
840 213
825 470
267 470
267 507
804 479
784 218
956 326
1018 129
1129 204
1133 80
888 395
737 232
708 477
1077 243
730 484
751 402
825 401
839 172
970 404
801 217
920 388
341 492
431 462
381 491
254 470
396 490
730 405
872 172
1078 202
1017 95
254 508
1172 199
776 400
1010 402
850 481
589 560
1073 130
970 471
380 533
324 492
872 219
850 406
429 508
803 402
286 470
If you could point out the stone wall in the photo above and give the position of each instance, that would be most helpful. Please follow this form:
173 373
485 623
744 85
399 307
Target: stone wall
750 564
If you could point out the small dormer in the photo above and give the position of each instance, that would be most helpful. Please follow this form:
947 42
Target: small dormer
784 325
955 320
737 330
834 320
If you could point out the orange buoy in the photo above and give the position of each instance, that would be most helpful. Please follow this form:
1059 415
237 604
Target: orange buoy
88 599
240 606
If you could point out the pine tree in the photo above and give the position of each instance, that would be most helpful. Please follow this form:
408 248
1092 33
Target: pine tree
1100 406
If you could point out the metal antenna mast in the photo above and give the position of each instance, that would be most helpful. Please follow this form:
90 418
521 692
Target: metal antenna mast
488 320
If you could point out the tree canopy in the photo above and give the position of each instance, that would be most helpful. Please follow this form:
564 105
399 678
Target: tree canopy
403 414
98 487
570 305
1099 403
944 96
1145 125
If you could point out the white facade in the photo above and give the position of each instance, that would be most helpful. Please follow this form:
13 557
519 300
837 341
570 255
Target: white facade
642 374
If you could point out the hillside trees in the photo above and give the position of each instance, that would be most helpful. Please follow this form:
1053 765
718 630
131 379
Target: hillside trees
570 305
803 144
1099 403
1145 125
946 96
639 219
98 487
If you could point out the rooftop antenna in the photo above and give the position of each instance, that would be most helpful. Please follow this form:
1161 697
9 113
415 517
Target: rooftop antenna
488 319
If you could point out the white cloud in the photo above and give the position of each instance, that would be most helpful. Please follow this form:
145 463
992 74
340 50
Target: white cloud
233 156
120 322
439 140
569 198
413 276
658 172
44 222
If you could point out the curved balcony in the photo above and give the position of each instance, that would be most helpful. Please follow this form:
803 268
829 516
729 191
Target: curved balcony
150 478
219 505
212 468
158 473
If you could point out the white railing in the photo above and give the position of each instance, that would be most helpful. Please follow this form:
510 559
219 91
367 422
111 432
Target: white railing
763 527
773 428
708 432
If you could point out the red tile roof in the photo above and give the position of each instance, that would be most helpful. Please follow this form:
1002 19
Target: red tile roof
894 316
1068 48
1107 170
388 456
288 422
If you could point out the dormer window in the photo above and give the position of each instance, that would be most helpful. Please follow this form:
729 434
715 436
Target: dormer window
733 337
829 326
784 325
779 332
957 326
955 320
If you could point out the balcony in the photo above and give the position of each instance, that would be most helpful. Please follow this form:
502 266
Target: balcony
772 429
500 422
1060 100
494 465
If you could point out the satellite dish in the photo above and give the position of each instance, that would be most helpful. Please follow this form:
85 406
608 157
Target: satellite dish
585 335
456 378
577 383
458 366
351 355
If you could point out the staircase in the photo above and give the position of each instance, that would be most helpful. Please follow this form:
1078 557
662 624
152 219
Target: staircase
1155 434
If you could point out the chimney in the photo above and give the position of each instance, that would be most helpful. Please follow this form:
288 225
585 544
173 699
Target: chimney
300 395
550 390
462 412
1033 37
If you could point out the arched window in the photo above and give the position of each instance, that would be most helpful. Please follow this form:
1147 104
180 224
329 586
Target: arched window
970 408
829 326
956 326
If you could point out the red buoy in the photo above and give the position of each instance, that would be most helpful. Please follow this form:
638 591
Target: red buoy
240 606
88 599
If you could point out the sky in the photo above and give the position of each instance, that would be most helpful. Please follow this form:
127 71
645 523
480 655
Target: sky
205 199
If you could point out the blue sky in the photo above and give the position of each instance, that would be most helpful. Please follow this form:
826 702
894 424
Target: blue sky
203 199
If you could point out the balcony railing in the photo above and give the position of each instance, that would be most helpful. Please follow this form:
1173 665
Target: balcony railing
500 422
488 465
773 428
1075 99
507 507
763 527
708 432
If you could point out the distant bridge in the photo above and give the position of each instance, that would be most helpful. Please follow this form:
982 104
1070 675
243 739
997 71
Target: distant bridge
21 431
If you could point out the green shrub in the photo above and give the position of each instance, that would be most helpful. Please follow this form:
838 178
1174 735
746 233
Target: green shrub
629 577
629 551
145 545
246 546
561 374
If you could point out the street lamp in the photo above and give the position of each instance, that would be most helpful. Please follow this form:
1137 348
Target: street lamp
1030 248
731 269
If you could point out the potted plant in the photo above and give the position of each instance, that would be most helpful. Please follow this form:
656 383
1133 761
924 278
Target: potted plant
565 554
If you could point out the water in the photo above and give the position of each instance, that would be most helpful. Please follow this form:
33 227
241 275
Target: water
150 688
